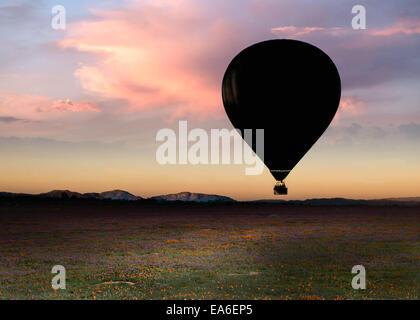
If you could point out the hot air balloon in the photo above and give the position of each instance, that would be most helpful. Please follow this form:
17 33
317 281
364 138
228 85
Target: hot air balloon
289 88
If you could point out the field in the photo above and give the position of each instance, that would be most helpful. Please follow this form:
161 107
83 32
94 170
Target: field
234 251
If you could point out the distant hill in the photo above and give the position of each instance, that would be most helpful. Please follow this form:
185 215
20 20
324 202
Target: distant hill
406 199
61 194
118 195
192 197
13 195
321 201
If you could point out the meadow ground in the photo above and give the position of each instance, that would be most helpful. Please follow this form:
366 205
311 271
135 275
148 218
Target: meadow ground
233 251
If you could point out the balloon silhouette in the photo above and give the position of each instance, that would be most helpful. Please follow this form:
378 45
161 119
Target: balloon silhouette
289 88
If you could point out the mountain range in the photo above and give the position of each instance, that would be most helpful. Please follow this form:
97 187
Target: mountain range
208 198
122 195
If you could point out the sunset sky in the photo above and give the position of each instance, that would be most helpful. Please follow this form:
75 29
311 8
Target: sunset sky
80 108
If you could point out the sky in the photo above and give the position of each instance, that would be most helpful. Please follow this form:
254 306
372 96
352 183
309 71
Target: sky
80 108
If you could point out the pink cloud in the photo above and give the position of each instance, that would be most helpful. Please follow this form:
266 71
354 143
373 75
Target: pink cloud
297 31
349 106
69 106
293 31
154 56
406 26
33 107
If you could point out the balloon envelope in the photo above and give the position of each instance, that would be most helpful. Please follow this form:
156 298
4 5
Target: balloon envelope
289 88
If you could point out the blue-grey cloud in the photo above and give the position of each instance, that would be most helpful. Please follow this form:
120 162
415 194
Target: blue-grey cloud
411 130
9 119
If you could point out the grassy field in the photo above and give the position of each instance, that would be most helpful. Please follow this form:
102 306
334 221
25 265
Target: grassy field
129 251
